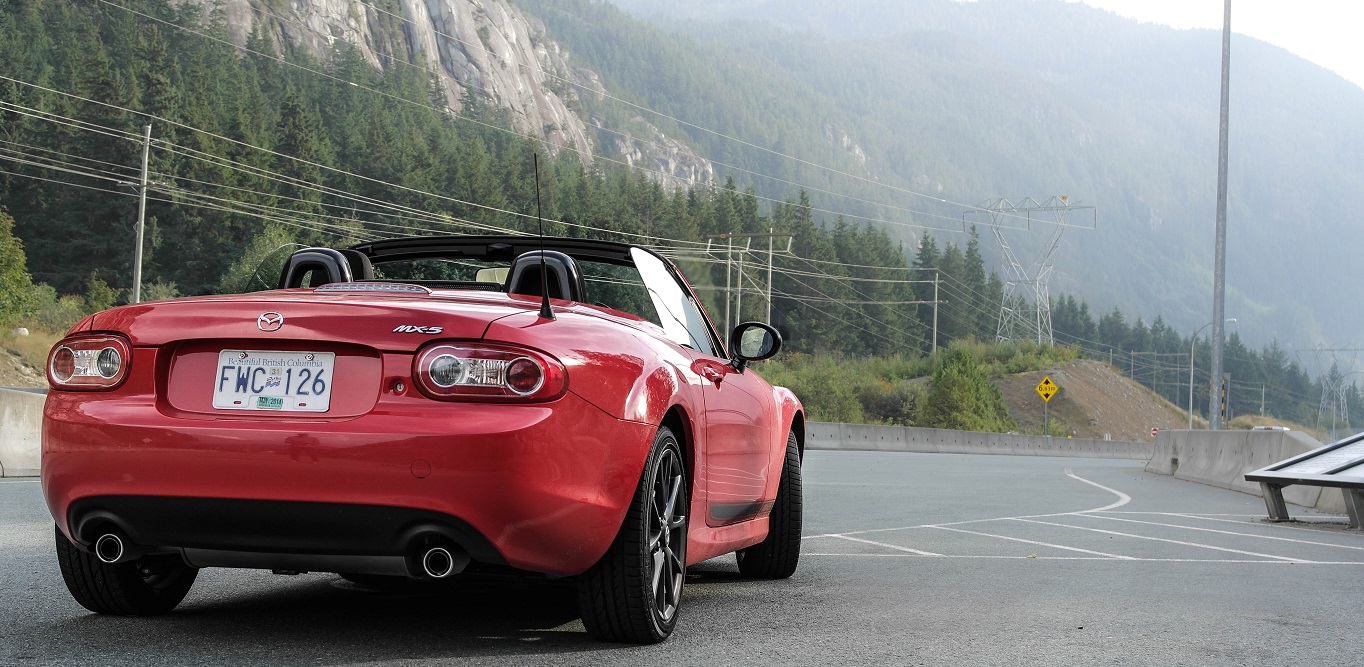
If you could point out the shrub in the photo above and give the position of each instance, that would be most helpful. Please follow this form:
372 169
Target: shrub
99 295
15 282
157 291
896 403
963 398
827 388
52 312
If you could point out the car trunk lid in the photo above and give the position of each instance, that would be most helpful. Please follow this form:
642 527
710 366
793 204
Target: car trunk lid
294 353
381 321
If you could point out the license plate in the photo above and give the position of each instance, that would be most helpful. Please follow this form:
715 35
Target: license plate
270 380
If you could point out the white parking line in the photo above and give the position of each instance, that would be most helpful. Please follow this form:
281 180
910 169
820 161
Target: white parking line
1222 532
1096 558
895 485
1043 544
20 481
1162 539
1188 514
804 554
1123 498
887 546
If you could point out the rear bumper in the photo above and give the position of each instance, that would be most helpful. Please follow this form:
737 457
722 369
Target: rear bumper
542 488
274 534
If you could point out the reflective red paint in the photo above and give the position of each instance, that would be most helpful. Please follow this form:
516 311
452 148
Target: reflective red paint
546 483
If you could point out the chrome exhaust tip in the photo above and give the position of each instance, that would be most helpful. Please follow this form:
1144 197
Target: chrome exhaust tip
109 548
438 563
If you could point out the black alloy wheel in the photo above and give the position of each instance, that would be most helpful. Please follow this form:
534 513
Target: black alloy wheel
634 592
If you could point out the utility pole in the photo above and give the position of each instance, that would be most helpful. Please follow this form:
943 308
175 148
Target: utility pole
769 276
935 312
729 255
739 286
141 213
1220 267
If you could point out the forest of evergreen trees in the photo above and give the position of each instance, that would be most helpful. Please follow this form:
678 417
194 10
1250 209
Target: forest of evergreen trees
250 155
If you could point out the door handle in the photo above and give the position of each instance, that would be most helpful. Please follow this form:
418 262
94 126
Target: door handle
711 374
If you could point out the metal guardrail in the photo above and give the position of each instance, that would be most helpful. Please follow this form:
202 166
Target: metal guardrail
1339 464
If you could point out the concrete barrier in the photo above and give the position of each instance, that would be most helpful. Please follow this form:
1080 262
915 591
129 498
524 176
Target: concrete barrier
1222 458
21 428
866 437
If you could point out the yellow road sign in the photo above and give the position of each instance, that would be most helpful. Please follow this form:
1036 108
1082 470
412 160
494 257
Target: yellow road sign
1046 388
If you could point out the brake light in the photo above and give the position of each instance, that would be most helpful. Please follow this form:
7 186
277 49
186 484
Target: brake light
483 371
91 362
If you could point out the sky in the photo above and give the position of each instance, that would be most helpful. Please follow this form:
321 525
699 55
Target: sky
1325 32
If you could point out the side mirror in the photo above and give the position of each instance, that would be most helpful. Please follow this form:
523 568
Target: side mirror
753 341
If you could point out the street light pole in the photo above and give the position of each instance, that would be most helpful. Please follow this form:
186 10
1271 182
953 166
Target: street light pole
1192 343
1220 255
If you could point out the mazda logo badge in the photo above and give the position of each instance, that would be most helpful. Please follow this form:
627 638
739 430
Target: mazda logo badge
270 321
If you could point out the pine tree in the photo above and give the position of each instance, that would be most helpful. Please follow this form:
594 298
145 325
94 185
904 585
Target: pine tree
15 283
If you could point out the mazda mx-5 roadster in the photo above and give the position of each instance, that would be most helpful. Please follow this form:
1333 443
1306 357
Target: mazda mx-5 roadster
417 408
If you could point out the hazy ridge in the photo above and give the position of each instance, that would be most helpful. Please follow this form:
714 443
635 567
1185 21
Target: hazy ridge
1010 98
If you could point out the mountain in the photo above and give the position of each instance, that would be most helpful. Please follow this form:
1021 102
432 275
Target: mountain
485 50
972 101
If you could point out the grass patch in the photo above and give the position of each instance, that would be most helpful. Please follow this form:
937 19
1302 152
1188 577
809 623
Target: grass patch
31 349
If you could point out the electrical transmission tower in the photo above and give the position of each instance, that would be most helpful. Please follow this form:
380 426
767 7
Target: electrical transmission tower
1025 313
1334 397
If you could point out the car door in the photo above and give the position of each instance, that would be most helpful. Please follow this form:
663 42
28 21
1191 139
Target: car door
738 431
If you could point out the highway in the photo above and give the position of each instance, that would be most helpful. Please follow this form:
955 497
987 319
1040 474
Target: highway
909 559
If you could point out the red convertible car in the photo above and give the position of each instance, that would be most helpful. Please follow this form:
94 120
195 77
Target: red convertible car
415 408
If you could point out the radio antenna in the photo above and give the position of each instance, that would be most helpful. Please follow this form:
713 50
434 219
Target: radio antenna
545 311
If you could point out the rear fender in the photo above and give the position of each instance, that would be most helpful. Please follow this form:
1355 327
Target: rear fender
623 372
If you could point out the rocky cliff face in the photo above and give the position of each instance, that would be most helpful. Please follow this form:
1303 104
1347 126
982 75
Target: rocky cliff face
485 48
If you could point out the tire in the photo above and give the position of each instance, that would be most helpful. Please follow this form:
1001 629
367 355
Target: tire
146 587
778 554
634 592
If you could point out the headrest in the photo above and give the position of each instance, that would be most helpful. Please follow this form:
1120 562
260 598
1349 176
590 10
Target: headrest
563 279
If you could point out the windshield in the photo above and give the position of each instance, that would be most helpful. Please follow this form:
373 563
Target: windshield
679 314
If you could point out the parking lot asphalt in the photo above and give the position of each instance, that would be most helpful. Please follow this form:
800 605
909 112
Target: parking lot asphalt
908 559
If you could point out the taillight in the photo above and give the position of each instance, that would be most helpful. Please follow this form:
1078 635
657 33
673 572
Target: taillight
483 371
89 362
